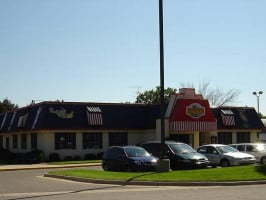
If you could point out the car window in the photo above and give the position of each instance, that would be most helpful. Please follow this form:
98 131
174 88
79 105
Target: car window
226 149
250 148
153 148
136 152
202 150
240 147
181 148
115 153
211 150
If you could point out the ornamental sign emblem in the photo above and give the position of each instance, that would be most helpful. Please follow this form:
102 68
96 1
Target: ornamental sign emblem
195 110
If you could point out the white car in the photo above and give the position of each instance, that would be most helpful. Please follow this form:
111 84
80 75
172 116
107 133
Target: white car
225 155
256 149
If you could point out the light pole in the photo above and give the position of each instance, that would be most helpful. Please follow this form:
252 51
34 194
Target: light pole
257 94
161 71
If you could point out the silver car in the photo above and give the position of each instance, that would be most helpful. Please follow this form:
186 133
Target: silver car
225 155
256 149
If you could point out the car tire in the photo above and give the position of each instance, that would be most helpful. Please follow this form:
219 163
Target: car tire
224 163
263 160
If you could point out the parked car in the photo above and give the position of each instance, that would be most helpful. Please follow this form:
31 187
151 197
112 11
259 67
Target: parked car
225 155
181 155
128 158
256 149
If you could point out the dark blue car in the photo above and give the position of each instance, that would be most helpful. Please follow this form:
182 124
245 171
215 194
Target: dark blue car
128 158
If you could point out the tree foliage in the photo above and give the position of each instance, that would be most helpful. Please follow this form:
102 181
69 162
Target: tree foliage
7 105
153 95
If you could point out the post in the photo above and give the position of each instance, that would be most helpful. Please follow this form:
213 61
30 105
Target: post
161 71
163 164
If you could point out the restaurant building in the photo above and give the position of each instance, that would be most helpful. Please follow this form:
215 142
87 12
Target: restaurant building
80 128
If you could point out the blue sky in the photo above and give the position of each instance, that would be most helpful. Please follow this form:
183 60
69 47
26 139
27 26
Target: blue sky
107 50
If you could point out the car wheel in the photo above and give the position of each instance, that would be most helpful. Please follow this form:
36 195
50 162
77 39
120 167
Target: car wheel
263 160
224 163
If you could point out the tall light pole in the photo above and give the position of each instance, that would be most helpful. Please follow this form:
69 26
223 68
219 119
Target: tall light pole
257 94
163 164
161 71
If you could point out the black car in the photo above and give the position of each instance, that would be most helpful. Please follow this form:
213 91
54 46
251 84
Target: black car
128 158
181 155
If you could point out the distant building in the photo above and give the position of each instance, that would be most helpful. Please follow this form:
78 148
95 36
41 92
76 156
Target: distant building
77 128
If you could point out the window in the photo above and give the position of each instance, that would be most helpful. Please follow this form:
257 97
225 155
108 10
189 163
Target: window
224 138
23 141
243 137
92 140
33 140
65 140
15 141
118 138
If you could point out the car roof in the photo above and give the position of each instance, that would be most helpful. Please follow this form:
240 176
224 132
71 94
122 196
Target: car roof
213 145
249 144
166 142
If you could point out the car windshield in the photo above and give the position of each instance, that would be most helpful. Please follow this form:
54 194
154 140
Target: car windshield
136 152
181 148
226 149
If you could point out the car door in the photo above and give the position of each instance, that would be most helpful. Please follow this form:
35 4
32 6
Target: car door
213 156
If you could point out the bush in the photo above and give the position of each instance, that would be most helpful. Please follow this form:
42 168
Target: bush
6 156
54 157
90 156
77 157
68 158
100 156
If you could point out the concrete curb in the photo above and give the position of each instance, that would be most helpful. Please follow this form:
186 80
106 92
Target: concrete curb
156 183
44 166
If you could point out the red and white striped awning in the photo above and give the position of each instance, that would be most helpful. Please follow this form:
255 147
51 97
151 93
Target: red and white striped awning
201 126
94 115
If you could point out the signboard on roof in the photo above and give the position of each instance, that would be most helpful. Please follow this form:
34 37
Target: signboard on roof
195 110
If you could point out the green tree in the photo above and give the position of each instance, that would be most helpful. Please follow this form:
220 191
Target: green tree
7 105
153 95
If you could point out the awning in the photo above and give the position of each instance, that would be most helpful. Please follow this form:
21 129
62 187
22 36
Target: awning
200 126
94 115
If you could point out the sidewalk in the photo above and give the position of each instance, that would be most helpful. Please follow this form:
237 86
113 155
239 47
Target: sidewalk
42 166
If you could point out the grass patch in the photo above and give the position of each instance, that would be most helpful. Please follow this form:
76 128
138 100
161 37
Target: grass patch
74 162
242 173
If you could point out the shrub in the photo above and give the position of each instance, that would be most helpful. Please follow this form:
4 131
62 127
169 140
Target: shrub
90 156
77 157
54 157
68 158
6 156
100 155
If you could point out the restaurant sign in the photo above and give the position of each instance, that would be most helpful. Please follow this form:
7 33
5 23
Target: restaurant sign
195 110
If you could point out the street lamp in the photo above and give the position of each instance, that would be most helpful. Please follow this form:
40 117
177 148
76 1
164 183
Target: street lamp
257 94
